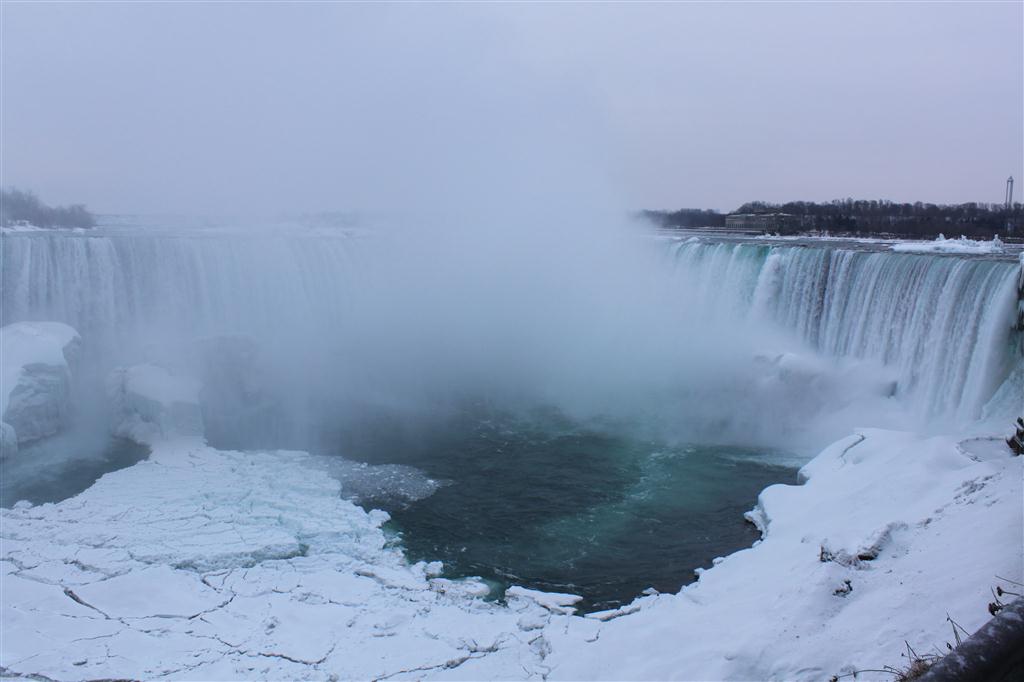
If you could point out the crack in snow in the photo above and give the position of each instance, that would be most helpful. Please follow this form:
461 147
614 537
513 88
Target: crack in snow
75 598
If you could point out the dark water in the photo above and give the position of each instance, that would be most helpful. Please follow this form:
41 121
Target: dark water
57 468
543 502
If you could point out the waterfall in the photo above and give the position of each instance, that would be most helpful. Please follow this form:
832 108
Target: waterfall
192 284
194 301
944 323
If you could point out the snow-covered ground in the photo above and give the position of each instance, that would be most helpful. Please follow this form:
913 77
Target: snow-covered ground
205 564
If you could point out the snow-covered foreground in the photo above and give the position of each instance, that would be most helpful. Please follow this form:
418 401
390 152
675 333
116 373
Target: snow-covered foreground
204 564
891 533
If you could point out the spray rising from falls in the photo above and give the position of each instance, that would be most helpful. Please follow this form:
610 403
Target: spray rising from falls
323 324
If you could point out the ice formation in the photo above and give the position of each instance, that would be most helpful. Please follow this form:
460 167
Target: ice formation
943 245
36 361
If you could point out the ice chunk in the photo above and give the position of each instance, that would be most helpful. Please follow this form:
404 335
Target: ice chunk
555 602
381 483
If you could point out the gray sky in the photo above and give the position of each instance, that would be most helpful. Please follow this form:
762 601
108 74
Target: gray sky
220 107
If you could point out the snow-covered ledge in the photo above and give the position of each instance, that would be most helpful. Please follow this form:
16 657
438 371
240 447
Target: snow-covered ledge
36 361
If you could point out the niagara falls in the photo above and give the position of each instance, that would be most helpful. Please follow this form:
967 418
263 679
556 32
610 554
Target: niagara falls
352 341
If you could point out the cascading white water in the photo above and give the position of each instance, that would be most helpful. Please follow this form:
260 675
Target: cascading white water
190 283
165 296
941 324
945 324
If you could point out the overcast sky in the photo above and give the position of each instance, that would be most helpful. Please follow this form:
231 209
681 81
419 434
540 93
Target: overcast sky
219 107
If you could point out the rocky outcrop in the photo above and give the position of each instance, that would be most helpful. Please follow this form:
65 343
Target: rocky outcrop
38 362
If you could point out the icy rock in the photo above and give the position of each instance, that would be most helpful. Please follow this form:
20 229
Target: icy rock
468 587
149 404
38 406
431 569
35 372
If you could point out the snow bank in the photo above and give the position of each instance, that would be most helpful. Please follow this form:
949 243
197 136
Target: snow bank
206 564
890 533
149 403
36 362
943 245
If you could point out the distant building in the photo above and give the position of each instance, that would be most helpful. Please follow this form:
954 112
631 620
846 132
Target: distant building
764 222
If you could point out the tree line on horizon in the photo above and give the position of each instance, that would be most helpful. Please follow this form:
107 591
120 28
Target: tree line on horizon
18 207
839 216
862 217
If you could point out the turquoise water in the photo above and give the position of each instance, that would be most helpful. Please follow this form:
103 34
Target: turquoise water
550 504
57 468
